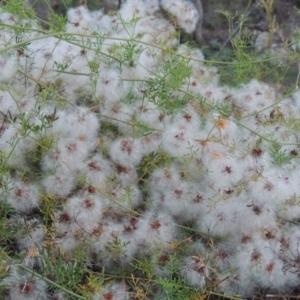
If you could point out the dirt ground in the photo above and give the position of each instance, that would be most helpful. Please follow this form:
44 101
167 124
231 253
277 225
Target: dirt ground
215 24
215 30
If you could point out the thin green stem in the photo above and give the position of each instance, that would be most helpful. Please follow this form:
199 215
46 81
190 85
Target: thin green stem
52 282
225 296
267 107
61 36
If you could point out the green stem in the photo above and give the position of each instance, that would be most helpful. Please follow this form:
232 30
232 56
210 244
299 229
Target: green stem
52 282
225 296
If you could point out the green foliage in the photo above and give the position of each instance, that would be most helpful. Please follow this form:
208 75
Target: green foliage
149 163
237 65
93 284
109 129
172 73
27 127
18 8
175 289
47 208
117 247
127 52
292 123
4 265
279 156
43 145
7 229
52 283
141 129
238 58
68 273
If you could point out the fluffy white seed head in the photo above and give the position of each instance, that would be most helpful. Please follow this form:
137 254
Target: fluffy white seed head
9 68
60 183
126 152
24 197
184 11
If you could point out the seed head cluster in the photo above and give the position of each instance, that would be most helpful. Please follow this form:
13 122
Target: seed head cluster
113 136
